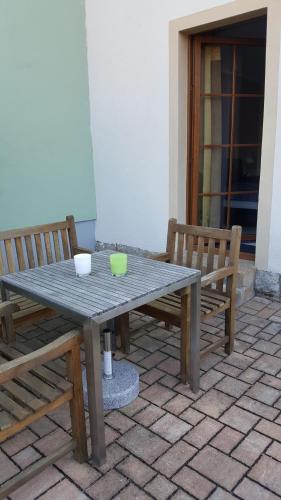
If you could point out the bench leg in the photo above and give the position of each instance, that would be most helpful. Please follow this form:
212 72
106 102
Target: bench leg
8 330
185 337
230 316
229 329
77 405
122 329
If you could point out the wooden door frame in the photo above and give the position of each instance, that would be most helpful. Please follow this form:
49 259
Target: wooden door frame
180 31
197 43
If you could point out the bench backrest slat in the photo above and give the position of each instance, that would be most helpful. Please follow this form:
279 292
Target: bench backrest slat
29 247
203 248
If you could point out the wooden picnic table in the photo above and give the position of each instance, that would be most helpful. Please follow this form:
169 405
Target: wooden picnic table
100 297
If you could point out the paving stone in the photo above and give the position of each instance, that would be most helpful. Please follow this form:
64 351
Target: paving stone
253 320
210 379
43 426
252 353
248 490
251 329
174 458
277 338
186 391
38 485
144 444
232 386
270 429
268 364
48 444
266 347
26 457
7 468
174 354
193 483
132 492
157 394
149 415
148 344
251 448
137 356
171 366
210 361
230 370
203 432
160 487
218 467
272 381
227 439
257 408
267 472
136 470
214 403
110 435
114 455
239 419
238 360
107 486
263 393
170 427
64 491
169 381
18 442
192 416
220 494
152 376
134 407
81 474
119 422
152 360
181 495
275 451
250 375
178 404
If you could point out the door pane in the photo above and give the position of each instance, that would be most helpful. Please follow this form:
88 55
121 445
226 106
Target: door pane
215 120
248 120
216 69
212 211
250 70
243 211
246 169
213 170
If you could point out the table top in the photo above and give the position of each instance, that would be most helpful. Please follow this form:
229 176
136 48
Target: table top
100 295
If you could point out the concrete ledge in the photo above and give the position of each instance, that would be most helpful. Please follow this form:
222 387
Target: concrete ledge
268 284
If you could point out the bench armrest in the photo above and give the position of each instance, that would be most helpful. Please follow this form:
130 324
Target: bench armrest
8 307
65 343
164 257
214 276
77 250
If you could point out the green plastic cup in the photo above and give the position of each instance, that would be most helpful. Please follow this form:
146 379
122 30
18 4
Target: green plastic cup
118 264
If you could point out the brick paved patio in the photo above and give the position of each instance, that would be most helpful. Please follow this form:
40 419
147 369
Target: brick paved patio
225 442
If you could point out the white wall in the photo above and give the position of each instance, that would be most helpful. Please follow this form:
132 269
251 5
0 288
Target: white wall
275 226
128 56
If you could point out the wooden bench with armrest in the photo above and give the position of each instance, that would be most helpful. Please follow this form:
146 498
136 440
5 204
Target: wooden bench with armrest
30 247
215 252
36 383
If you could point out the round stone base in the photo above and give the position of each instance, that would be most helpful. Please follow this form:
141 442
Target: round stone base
119 391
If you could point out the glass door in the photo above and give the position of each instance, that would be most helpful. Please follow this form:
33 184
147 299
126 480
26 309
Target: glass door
227 119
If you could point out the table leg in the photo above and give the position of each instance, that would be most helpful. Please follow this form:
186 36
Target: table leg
91 332
195 337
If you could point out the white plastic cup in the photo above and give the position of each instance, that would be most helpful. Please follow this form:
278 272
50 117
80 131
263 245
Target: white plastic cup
82 263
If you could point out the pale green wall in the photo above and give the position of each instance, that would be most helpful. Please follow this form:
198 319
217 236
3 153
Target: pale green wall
46 168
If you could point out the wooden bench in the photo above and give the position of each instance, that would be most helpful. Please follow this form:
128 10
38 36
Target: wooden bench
34 384
30 247
215 252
